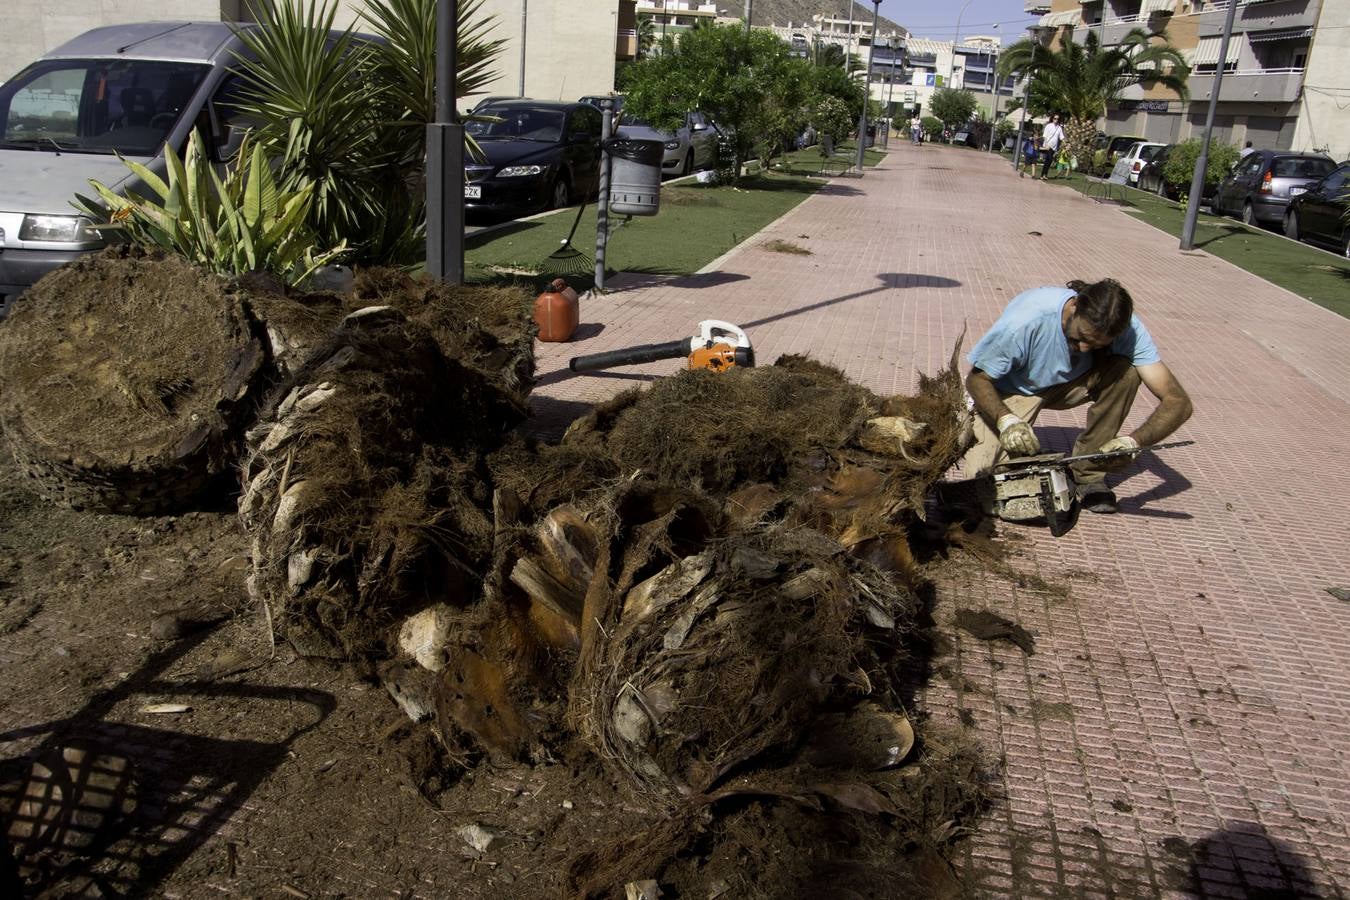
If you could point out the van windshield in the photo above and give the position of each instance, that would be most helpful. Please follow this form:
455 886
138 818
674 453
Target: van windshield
124 106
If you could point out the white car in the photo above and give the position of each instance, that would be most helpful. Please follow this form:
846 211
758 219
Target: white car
1128 166
692 147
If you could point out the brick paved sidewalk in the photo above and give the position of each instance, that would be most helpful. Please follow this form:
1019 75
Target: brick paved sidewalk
1184 723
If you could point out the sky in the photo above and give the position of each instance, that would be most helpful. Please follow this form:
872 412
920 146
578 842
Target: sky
938 18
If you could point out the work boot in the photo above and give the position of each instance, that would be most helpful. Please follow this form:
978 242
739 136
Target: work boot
1097 497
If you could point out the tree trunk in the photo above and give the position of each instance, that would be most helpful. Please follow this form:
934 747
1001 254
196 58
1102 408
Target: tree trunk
1080 136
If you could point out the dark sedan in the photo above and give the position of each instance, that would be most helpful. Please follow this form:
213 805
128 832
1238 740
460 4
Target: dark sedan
536 156
1258 190
1152 178
1318 215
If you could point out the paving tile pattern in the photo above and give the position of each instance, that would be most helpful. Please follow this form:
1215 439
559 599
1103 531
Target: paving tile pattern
1183 726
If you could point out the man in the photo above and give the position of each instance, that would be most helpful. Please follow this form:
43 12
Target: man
916 129
1247 148
1051 138
1059 348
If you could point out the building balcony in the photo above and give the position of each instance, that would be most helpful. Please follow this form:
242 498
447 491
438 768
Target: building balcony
1249 86
1036 7
1260 17
626 46
1112 32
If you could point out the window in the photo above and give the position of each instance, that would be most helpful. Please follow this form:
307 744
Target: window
1334 183
98 106
1250 166
1301 167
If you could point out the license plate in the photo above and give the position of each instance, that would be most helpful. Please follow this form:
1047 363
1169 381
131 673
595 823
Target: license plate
1295 191
473 192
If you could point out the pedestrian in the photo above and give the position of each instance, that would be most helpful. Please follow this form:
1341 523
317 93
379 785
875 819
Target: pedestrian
1029 154
915 129
1246 149
1060 348
1051 139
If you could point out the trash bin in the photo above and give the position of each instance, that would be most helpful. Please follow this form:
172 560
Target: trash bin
635 176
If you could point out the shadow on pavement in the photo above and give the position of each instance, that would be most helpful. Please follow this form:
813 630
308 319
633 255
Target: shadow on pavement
1242 860
633 279
889 281
99 806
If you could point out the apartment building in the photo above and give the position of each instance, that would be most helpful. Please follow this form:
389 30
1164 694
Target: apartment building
1283 85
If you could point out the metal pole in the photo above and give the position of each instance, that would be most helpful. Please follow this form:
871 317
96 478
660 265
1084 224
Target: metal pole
602 200
523 20
993 120
1026 101
867 86
848 42
749 11
445 158
1198 177
890 92
951 65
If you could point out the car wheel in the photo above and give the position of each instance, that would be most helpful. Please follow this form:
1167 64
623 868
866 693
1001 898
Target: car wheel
1291 225
1248 214
1345 245
560 195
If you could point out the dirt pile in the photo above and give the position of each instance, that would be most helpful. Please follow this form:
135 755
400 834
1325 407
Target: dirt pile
126 379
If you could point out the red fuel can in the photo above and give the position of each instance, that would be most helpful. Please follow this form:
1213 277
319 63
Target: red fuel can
557 312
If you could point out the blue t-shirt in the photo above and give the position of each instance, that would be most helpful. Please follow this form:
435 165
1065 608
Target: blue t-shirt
1026 350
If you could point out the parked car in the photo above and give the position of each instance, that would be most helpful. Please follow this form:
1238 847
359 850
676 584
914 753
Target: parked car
537 155
488 101
1118 144
1151 176
594 100
118 91
1258 189
1133 159
1318 214
692 146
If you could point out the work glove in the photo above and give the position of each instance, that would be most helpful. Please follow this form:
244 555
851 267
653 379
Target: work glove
1016 436
1124 442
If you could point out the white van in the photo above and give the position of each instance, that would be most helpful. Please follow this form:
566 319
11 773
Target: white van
128 89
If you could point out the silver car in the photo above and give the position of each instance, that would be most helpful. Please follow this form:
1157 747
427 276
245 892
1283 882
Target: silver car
1263 181
694 146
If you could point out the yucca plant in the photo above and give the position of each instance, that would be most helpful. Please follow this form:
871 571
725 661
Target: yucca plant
241 223
348 114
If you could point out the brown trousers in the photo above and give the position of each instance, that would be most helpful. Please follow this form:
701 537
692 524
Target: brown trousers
1110 386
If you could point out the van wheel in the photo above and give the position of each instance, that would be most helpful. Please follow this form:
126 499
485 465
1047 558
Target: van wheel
1291 225
560 194
1248 214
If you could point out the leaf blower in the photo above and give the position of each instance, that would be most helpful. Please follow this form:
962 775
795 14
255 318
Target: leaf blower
718 346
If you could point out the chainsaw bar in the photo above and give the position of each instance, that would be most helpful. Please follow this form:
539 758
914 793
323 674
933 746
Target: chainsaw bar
1116 454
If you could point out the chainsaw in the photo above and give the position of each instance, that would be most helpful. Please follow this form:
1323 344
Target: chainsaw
718 346
1029 488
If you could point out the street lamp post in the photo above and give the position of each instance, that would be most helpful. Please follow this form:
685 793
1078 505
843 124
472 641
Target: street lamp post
1201 164
445 158
993 118
867 86
951 65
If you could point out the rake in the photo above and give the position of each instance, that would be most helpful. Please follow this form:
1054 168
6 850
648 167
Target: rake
568 260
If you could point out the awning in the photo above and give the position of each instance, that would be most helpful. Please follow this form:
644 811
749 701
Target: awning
1207 51
1279 34
1063 17
1152 7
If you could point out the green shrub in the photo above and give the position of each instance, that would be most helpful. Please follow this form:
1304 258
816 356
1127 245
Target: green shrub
931 125
1181 163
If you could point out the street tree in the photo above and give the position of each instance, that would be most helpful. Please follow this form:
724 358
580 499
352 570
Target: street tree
953 107
749 83
1080 81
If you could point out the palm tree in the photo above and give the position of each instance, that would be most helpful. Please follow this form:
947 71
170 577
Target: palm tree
1080 80
348 116
646 36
